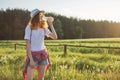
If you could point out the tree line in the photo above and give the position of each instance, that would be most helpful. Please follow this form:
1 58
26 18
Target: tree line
14 21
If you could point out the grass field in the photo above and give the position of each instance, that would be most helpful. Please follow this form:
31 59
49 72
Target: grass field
80 63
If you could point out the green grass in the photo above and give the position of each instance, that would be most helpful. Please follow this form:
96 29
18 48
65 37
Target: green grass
78 64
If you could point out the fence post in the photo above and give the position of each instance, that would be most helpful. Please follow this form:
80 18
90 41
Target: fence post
65 49
15 46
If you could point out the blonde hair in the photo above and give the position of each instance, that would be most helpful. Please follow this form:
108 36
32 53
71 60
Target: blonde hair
35 23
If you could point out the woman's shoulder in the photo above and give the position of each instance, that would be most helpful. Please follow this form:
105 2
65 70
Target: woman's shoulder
28 27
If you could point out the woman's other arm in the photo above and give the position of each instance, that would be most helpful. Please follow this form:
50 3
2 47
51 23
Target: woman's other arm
29 53
53 33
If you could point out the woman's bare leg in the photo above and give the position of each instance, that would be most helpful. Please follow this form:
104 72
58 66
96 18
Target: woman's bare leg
30 72
41 72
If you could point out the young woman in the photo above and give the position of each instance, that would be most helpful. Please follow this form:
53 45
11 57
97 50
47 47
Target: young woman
34 36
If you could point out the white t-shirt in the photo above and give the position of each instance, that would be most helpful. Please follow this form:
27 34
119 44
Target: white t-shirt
36 37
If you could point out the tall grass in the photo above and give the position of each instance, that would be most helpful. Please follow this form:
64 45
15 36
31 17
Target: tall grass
78 64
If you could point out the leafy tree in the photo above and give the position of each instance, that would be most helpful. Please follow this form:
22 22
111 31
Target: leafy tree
58 28
14 21
79 32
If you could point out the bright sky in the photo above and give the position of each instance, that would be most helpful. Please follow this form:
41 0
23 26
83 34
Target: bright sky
84 9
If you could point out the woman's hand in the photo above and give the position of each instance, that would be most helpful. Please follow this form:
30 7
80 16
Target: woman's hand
50 19
32 64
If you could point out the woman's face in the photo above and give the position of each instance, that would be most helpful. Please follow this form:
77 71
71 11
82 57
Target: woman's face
40 16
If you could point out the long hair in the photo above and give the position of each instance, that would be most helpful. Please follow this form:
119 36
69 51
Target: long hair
34 22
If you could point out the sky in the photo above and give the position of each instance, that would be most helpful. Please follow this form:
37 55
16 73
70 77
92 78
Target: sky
83 9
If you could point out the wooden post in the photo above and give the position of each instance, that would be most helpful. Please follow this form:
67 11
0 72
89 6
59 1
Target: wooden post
15 46
65 49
